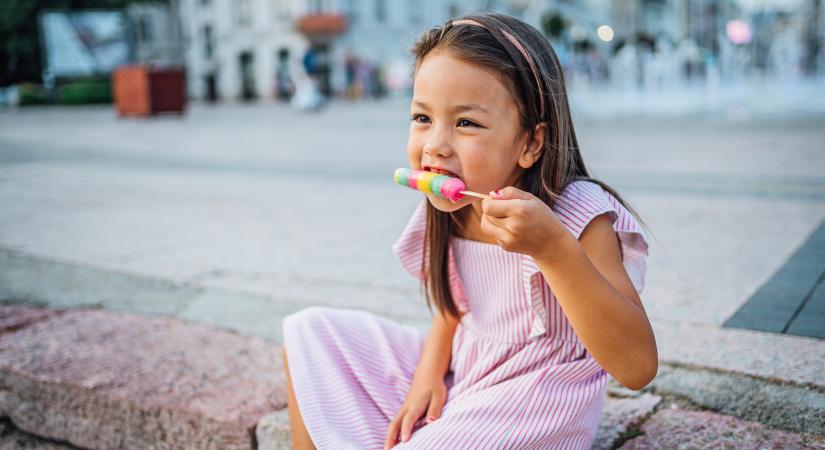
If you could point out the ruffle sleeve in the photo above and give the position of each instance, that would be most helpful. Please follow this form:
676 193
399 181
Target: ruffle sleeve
580 202
411 252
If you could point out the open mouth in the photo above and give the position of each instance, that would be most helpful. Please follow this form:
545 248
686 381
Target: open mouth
440 171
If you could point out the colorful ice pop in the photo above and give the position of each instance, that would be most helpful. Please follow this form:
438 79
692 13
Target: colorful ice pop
429 182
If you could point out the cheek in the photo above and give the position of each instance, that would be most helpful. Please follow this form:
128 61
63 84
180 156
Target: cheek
488 171
414 150
476 171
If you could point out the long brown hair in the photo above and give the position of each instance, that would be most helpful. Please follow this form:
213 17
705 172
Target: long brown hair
490 45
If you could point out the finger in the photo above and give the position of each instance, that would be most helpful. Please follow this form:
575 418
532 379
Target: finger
496 208
408 421
491 225
392 433
434 411
510 193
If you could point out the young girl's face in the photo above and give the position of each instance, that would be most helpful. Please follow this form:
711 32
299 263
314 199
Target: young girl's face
465 124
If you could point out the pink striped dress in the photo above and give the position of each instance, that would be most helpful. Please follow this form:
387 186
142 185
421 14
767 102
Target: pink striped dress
519 377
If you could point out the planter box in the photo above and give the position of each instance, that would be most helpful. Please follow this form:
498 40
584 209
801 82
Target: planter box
143 91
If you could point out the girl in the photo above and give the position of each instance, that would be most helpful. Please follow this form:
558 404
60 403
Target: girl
536 290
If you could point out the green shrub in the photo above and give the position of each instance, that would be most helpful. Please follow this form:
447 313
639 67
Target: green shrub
84 92
33 94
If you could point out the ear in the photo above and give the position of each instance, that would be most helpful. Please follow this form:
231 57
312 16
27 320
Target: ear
534 146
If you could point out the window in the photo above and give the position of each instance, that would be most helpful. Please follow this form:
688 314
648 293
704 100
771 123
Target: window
144 29
243 13
281 9
208 41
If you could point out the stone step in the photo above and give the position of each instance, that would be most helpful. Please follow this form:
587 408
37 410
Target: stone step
14 439
98 379
679 428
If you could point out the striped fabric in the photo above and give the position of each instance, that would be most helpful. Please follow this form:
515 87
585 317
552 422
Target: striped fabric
519 377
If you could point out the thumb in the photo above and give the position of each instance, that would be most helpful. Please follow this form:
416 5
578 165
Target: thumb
434 411
510 193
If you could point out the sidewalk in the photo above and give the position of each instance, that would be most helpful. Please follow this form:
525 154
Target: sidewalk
237 225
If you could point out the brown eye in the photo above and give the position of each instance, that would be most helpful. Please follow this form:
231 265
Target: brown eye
466 123
420 118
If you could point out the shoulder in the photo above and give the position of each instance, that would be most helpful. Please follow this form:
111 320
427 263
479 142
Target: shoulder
409 248
585 205
582 201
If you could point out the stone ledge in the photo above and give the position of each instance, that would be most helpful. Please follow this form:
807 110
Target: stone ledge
14 317
620 415
679 428
14 439
91 378
100 379
789 407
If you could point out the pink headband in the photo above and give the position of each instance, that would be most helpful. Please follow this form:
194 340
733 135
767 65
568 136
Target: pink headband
521 50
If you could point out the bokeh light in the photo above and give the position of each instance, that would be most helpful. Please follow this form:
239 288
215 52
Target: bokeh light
605 33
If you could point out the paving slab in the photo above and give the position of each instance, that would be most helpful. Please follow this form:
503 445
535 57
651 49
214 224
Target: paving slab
781 305
774 357
682 429
100 379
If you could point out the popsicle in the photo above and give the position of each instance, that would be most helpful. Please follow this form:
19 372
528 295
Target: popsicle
429 182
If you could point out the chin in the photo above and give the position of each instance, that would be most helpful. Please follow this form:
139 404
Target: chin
445 205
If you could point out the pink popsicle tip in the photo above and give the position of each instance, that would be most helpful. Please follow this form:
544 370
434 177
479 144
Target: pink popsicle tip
452 188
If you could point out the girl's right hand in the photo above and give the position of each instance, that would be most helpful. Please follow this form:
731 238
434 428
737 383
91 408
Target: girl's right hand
427 393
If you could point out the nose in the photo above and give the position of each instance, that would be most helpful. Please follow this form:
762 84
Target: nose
438 142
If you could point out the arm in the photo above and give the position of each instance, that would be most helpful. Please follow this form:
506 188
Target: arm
588 279
428 391
438 346
600 302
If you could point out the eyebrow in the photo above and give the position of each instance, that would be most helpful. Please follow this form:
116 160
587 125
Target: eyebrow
456 108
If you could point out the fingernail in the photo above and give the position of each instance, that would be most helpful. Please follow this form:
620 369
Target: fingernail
406 438
431 418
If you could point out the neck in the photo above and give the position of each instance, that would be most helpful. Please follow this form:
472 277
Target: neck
470 218
470 215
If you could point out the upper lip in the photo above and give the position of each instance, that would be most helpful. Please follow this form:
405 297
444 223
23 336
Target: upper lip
429 166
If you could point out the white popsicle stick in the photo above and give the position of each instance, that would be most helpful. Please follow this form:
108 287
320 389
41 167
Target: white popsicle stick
476 194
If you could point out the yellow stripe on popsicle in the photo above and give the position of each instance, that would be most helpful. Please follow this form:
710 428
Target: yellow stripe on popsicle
425 182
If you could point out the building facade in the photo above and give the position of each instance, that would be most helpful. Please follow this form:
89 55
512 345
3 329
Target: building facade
234 49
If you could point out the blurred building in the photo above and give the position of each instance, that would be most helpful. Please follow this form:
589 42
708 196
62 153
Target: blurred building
246 49
237 49
156 34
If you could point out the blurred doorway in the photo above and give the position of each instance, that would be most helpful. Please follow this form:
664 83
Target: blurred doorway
210 82
246 62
